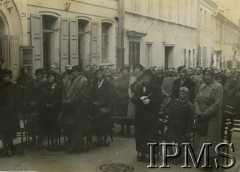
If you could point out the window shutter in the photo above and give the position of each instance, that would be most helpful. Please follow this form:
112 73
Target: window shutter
37 41
94 46
64 43
14 54
73 42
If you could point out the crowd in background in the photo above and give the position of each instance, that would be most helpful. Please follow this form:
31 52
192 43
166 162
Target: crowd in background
165 103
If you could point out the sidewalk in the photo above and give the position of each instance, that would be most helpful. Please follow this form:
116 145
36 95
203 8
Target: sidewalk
121 150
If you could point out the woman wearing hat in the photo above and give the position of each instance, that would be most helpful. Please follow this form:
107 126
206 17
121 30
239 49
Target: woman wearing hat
207 107
147 100
137 71
9 122
102 125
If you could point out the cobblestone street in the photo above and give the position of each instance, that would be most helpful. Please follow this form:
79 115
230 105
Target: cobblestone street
121 150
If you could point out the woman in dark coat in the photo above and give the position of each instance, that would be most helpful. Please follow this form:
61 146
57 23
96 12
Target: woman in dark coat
207 107
147 99
9 122
102 124
24 82
49 115
35 98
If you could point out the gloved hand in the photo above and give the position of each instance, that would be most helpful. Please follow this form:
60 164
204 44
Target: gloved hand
146 101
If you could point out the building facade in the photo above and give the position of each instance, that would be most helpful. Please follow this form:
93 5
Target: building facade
76 32
227 40
170 33
163 33
206 31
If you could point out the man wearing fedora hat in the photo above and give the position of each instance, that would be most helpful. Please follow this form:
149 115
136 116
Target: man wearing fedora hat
74 109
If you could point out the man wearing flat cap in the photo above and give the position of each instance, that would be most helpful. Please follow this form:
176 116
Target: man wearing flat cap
180 119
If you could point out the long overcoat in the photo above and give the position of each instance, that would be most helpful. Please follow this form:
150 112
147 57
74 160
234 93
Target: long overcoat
9 121
102 123
74 107
51 109
146 119
208 105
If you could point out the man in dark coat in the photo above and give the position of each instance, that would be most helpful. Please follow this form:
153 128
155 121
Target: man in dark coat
147 99
9 122
231 85
184 81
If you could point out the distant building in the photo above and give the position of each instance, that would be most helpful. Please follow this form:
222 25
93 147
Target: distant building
227 40
161 33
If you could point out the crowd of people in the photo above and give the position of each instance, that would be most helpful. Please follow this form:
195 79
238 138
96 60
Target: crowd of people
174 105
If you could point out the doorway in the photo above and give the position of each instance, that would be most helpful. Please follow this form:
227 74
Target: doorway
168 56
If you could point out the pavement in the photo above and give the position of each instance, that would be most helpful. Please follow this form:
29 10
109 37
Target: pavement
121 150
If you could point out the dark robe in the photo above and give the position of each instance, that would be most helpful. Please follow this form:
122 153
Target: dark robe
146 119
